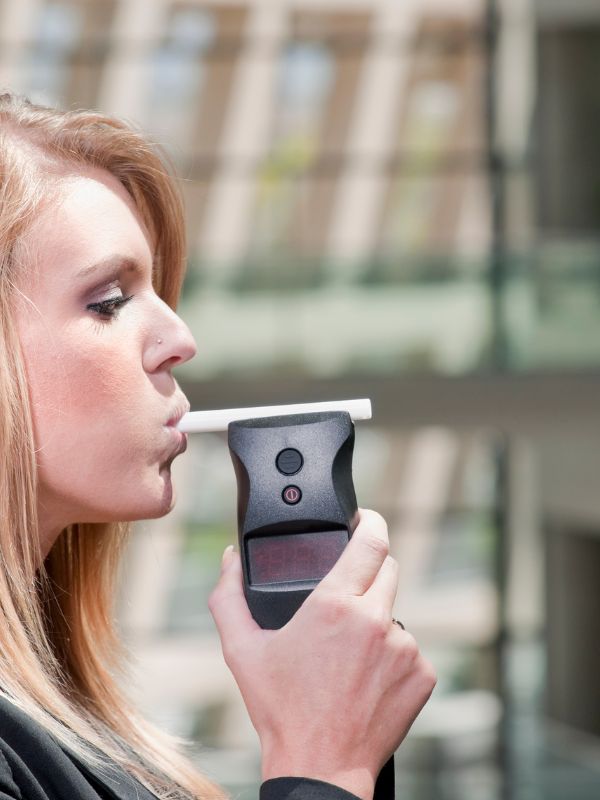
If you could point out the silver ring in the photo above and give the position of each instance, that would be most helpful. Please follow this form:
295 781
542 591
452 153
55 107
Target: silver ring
397 622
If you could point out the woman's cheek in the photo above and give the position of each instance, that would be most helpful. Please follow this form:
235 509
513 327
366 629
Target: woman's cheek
98 377
79 398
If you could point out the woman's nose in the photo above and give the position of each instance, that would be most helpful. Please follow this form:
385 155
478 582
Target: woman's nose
171 342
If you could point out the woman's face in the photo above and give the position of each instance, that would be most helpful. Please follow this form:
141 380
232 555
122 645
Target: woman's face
99 346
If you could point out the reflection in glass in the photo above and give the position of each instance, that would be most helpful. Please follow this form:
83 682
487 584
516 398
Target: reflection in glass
178 71
58 32
305 83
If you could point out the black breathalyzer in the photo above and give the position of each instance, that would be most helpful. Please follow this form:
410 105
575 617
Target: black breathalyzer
296 505
296 512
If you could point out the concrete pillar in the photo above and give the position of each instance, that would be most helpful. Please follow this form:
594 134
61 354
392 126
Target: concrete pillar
421 500
361 190
517 76
137 25
17 26
245 140
524 590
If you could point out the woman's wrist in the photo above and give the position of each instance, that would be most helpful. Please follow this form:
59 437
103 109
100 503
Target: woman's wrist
291 788
358 780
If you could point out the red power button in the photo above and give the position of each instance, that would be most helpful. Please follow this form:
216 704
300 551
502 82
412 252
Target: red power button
291 495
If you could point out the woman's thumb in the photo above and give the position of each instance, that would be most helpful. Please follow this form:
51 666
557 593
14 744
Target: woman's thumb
228 605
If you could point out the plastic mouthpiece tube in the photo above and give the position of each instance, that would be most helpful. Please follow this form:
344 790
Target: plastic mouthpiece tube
212 421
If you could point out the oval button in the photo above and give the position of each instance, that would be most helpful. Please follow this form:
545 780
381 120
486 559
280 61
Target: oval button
291 495
289 461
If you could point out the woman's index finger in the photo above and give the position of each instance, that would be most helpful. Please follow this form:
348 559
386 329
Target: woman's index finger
361 560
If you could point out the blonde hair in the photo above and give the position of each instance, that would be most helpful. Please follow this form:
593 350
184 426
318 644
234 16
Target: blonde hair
60 657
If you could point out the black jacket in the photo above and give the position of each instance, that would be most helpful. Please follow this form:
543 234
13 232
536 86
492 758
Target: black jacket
33 766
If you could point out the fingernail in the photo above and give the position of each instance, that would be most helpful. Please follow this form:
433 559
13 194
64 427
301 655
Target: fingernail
227 557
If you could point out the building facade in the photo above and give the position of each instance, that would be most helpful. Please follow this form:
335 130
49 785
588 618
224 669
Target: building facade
394 200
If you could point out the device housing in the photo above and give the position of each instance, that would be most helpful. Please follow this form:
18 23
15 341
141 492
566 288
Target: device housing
287 545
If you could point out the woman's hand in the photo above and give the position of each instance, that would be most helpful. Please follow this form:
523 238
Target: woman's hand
333 693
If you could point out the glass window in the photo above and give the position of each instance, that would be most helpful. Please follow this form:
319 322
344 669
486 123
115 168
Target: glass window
305 83
306 78
178 73
57 34
437 193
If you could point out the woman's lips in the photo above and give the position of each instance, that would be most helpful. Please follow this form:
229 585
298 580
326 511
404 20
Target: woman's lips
181 440
179 413
179 443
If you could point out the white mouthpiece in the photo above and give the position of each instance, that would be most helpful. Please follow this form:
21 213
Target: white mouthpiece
211 421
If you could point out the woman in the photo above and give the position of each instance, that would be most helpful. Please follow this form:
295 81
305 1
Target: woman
91 263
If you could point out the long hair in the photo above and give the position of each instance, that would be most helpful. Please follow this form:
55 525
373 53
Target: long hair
61 660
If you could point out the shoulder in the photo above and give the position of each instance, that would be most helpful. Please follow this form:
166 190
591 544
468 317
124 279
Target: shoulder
21 733
32 764
8 787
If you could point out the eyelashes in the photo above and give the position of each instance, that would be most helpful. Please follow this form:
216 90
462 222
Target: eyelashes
108 309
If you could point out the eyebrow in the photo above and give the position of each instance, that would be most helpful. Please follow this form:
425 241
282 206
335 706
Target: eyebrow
115 263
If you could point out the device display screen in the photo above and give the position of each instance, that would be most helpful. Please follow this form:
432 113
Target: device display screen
294 557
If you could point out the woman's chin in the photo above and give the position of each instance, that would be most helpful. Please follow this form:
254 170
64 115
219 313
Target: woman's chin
156 498
168 496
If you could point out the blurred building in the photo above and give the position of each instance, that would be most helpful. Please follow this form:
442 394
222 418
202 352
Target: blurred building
397 200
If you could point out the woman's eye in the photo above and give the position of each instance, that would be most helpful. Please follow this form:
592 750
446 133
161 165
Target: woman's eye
108 308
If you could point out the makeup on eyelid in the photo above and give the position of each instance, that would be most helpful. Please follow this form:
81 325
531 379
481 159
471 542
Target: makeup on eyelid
102 306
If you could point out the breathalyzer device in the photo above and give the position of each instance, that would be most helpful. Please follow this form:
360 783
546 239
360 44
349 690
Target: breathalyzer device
296 505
